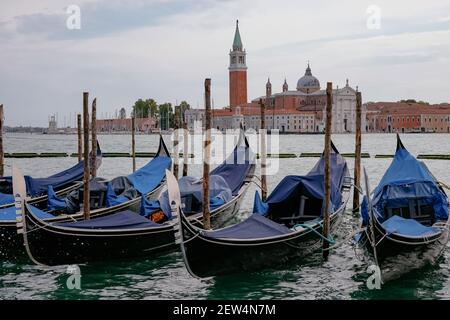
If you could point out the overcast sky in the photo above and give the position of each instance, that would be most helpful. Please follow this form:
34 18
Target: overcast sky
163 49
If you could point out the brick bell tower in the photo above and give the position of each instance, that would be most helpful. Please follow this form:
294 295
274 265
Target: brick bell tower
238 71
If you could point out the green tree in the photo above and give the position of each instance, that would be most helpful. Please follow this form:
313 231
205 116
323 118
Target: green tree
153 108
145 108
183 107
166 117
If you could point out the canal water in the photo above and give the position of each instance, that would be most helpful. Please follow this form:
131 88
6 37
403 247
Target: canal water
343 276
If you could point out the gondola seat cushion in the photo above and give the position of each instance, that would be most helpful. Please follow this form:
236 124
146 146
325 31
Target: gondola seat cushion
254 227
408 227
121 220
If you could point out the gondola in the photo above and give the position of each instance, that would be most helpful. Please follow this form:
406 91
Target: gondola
406 220
228 183
62 182
119 235
287 226
107 197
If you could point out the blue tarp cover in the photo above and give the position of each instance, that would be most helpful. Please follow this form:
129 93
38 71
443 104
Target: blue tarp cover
405 179
236 168
190 187
9 214
147 178
39 186
408 227
254 227
225 182
53 202
285 197
36 212
121 220
6 198
365 211
112 199
259 206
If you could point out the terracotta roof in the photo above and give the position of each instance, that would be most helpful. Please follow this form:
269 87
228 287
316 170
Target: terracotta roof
408 108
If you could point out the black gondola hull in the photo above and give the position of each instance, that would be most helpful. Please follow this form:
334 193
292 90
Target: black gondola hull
49 246
11 243
398 255
53 245
206 257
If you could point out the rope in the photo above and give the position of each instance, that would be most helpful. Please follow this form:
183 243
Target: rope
331 241
338 244
443 185
258 185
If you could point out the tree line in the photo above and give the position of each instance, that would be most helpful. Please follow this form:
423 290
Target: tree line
149 108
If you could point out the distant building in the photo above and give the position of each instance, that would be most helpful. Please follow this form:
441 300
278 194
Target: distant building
296 111
124 125
52 125
407 117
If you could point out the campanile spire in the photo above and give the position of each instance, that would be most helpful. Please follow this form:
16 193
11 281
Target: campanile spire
238 71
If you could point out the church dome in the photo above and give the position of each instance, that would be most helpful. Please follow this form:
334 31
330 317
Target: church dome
308 83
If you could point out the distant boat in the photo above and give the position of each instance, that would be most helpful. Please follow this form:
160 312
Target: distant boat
407 217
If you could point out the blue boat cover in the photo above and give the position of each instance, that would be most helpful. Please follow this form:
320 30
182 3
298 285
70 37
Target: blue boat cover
9 213
236 167
285 197
6 198
53 201
191 191
225 182
37 213
405 179
112 199
121 220
39 186
365 211
408 227
148 177
254 227
259 206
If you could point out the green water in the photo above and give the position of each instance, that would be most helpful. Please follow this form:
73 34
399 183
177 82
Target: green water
343 276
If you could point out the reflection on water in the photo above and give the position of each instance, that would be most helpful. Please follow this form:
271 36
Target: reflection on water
343 276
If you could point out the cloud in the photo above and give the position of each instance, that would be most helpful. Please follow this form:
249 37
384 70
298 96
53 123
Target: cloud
443 19
390 27
106 17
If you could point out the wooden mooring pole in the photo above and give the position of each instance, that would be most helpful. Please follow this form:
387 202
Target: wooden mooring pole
327 177
206 156
86 177
176 149
357 170
80 139
94 138
133 141
262 136
185 146
2 153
